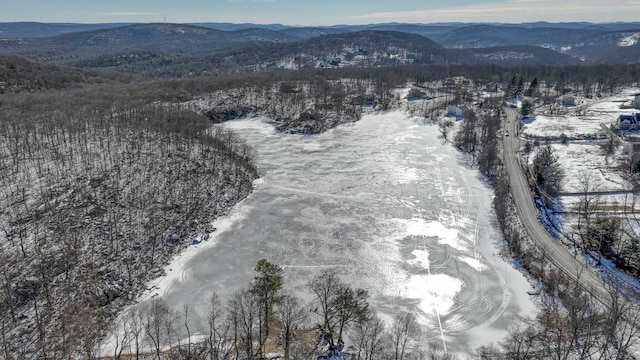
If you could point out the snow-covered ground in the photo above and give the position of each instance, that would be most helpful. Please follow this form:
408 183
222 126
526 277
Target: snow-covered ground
578 158
581 159
582 121
611 107
543 126
629 39
385 202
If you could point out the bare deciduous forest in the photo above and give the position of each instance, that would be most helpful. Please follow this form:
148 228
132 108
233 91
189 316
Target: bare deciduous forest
100 185
96 197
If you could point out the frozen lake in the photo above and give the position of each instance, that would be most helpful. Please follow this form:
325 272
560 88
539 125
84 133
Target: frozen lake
385 202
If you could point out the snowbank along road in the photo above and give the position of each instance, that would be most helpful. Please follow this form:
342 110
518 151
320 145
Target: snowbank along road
558 254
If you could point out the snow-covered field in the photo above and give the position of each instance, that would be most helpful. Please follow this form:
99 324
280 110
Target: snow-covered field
612 107
583 121
385 202
587 158
580 157
543 126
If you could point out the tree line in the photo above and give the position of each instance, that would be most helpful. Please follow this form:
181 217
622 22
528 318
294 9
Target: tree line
265 317
572 324
101 184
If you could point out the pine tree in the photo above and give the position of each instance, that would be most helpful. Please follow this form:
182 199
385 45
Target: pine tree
266 287
547 172
527 107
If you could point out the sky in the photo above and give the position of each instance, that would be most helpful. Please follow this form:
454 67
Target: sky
318 12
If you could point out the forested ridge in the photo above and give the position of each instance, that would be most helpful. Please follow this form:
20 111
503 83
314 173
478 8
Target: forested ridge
100 185
103 184
97 193
19 74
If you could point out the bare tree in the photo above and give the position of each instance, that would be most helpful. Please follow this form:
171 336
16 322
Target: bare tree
243 314
325 286
521 343
157 321
292 316
436 353
573 325
404 331
220 345
589 199
120 336
609 147
185 309
620 318
444 127
466 138
135 323
488 160
369 335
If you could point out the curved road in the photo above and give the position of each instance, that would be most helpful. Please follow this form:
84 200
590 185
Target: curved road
559 255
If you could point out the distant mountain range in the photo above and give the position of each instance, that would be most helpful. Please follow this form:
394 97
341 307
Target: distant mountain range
140 47
40 30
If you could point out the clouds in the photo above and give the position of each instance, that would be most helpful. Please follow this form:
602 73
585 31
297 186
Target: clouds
326 12
516 11
130 13
250 1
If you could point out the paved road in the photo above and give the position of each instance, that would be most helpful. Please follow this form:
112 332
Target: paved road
557 254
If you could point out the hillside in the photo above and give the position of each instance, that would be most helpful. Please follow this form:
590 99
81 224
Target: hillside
175 50
383 48
609 48
303 33
97 191
43 30
163 44
18 74
182 40
364 48
483 36
515 55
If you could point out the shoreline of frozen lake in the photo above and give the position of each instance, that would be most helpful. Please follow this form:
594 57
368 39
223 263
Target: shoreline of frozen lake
385 202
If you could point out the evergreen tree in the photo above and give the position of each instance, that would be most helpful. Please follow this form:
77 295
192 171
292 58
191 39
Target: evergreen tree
520 88
266 287
527 107
349 306
547 172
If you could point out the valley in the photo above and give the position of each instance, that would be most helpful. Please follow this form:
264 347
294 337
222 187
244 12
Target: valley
145 168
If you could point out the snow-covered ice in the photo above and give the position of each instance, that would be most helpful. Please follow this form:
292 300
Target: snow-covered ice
385 202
